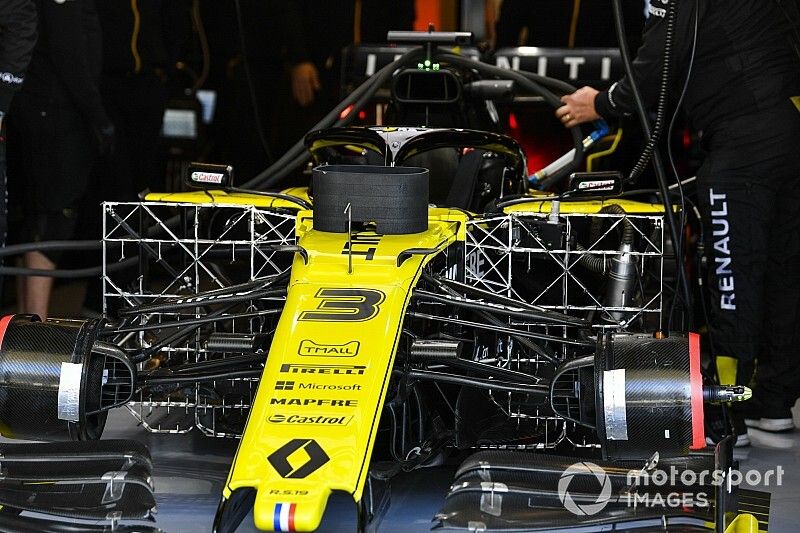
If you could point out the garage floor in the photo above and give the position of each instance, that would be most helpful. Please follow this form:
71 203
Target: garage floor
190 471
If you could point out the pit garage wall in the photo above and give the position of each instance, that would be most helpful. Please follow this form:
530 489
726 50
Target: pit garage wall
444 14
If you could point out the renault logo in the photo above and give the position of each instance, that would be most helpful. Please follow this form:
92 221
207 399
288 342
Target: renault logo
298 458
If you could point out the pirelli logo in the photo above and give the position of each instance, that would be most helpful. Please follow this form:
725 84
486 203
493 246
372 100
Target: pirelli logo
345 370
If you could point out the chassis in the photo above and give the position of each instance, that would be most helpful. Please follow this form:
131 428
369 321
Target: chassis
392 316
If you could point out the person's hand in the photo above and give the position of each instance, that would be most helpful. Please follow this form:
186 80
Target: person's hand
305 82
578 107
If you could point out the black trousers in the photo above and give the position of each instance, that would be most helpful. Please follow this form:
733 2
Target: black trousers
749 194
3 195
51 156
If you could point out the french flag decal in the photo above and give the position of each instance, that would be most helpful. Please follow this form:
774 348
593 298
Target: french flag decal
284 516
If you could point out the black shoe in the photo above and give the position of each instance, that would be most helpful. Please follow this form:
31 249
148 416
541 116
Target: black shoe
718 426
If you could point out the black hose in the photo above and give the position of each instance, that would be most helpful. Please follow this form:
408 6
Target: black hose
359 97
628 231
530 85
288 197
45 246
551 83
594 263
597 263
675 233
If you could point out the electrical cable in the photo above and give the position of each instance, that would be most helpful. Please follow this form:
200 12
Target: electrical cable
670 152
288 197
654 135
682 285
573 25
251 88
137 24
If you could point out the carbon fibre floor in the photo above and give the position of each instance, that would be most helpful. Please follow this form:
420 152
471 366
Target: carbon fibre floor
190 471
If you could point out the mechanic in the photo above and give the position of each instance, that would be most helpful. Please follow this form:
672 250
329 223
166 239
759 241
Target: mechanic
317 31
58 127
142 40
17 39
742 99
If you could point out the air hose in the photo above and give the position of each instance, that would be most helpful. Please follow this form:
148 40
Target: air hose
597 263
628 232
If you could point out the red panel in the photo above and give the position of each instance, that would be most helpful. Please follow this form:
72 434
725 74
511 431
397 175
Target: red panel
3 326
696 378
428 11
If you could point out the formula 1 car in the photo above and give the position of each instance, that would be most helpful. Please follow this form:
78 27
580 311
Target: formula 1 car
418 304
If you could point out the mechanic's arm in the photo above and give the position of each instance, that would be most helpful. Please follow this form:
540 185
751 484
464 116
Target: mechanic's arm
64 25
588 104
304 74
17 39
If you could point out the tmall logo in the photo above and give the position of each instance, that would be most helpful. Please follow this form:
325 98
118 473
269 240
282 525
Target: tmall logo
582 507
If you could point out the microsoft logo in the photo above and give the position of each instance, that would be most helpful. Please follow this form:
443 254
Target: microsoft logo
284 385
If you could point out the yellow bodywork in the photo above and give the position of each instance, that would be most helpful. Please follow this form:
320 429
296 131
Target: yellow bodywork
744 523
587 207
230 198
313 423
